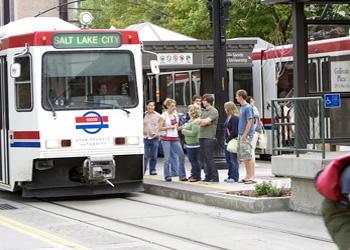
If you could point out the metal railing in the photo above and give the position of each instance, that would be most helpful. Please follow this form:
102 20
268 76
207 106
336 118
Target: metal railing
298 125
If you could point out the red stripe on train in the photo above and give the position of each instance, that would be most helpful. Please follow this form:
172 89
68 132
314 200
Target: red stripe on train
44 38
26 135
266 121
84 119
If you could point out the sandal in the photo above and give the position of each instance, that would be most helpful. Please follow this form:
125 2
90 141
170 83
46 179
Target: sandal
243 181
249 182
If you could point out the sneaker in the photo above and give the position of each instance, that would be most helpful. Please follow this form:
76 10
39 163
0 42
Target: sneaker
184 179
229 180
153 173
191 179
213 180
168 179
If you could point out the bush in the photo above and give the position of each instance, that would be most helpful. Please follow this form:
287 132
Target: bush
268 190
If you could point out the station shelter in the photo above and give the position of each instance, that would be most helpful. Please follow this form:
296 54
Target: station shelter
187 65
187 68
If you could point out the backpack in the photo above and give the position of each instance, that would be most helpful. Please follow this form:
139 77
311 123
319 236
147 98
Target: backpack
327 181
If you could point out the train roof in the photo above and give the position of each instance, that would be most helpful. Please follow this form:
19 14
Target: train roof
34 24
39 31
315 47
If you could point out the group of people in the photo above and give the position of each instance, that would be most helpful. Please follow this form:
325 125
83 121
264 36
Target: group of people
199 131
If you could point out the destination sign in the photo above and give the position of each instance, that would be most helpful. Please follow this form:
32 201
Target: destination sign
86 40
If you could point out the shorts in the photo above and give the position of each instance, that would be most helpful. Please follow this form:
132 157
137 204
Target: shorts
245 149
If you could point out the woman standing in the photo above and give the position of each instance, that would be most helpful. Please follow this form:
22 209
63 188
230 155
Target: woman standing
169 124
231 131
190 131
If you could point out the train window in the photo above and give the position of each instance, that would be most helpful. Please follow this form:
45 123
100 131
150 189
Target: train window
88 80
242 79
23 85
285 80
196 83
313 76
181 82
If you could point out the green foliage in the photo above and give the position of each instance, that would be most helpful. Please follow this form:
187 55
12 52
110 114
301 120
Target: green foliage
268 189
247 18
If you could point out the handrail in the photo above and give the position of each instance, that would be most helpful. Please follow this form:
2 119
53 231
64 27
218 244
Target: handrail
300 125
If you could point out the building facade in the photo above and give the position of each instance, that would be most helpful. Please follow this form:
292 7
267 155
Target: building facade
48 8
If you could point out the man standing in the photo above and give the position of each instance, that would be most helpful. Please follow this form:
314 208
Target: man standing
207 136
245 136
150 137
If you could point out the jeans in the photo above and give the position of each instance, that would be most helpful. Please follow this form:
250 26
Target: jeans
175 148
193 156
233 165
174 164
207 152
151 148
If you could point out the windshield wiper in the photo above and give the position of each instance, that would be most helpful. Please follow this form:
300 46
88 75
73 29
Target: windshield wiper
108 105
52 108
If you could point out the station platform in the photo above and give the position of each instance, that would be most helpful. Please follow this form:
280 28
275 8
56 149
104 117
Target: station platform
216 194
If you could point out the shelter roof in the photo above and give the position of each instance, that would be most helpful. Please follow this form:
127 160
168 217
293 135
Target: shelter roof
32 24
259 43
152 32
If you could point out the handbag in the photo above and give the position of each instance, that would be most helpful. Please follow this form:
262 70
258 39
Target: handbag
262 140
232 146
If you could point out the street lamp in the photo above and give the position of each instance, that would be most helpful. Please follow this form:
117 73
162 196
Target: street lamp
218 12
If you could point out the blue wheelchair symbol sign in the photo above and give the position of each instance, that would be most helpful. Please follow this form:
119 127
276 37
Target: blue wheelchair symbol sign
332 101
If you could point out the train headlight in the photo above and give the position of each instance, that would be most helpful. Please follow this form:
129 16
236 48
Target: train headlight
66 143
129 140
85 18
53 143
132 140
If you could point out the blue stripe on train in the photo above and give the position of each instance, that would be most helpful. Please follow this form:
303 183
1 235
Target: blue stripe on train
91 126
267 127
25 145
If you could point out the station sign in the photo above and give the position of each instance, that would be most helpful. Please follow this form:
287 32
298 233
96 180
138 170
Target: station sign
175 58
86 40
332 101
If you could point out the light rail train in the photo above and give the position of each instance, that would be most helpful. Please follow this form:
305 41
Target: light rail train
328 72
71 109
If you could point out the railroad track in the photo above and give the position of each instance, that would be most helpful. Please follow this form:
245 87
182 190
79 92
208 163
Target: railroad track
147 227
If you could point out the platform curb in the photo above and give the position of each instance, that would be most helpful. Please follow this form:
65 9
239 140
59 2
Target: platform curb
223 200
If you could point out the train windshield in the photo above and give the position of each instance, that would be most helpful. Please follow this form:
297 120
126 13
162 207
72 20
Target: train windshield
89 80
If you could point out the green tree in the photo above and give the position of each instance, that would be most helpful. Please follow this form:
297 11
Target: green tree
191 17
122 13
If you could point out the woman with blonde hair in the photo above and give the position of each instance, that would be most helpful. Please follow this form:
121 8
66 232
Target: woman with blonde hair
169 125
231 131
190 131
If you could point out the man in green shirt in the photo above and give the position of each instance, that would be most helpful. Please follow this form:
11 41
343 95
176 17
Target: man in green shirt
207 136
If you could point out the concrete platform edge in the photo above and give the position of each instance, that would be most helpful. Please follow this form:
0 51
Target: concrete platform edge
222 200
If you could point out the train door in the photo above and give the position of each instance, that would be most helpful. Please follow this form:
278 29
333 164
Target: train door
4 168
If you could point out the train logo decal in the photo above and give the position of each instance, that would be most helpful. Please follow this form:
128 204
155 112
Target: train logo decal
91 122
24 139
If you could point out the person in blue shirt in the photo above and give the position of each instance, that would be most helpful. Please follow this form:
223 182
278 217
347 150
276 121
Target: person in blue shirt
245 136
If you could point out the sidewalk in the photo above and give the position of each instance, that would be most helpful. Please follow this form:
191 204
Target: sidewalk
262 173
213 194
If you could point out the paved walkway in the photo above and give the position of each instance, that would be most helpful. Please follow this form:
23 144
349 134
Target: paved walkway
262 172
297 223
